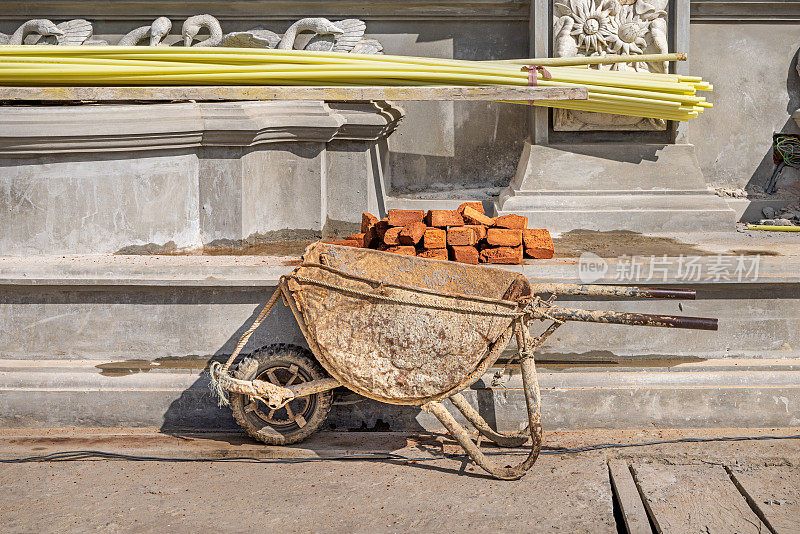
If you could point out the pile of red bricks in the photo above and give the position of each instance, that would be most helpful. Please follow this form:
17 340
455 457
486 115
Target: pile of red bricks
465 235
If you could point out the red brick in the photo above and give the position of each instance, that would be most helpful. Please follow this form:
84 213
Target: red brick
502 255
403 249
355 237
435 238
392 236
480 231
464 255
477 206
512 220
473 216
345 243
381 227
504 237
444 218
433 253
404 217
368 220
371 237
461 236
412 233
538 244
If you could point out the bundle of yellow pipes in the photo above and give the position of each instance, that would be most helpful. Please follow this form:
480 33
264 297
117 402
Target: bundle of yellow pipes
640 94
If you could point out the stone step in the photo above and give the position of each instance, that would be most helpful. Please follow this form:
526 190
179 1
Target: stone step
750 393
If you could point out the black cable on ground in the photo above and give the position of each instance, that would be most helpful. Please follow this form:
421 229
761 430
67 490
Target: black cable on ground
71 456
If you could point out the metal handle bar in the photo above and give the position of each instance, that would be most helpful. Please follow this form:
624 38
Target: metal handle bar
633 319
613 291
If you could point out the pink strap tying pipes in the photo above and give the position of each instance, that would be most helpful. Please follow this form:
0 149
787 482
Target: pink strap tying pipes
532 78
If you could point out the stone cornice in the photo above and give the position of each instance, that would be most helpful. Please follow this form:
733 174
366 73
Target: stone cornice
35 131
252 123
372 120
266 10
745 11
59 129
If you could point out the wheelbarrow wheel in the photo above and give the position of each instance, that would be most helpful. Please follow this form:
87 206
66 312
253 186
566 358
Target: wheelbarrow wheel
284 365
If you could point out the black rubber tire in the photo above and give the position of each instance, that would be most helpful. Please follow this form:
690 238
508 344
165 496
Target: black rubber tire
313 409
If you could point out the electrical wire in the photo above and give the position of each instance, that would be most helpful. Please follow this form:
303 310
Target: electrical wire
788 149
81 455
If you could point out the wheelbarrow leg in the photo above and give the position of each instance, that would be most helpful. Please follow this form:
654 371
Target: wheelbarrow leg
510 439
531 387
534 421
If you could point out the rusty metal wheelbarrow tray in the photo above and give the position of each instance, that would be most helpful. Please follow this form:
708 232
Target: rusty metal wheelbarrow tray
407 346
405 330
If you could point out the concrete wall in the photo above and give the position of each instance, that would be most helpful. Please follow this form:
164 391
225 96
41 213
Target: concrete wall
746 49
122 341
756 89
118 340
99 179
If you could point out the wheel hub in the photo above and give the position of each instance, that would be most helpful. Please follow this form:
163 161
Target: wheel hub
296 411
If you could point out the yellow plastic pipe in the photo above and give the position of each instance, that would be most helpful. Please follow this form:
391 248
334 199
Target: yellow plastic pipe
656 95
773 228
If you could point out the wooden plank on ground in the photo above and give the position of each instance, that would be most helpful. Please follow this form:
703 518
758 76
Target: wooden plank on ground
775 493
246 92
630 502
694 498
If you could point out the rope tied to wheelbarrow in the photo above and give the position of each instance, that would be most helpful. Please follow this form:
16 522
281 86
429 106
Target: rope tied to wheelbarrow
220 378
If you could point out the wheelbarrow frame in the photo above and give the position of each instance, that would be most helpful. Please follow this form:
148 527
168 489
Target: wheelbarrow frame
530 307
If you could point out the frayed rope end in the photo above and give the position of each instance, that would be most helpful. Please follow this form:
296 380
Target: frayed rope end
215 383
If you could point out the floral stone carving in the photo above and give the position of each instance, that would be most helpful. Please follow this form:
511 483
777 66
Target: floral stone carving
601 27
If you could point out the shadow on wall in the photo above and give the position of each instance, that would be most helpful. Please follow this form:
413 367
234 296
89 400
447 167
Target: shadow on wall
197 410
788 187
441 146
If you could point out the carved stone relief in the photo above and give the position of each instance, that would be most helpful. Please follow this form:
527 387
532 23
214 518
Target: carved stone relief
306 34
601 27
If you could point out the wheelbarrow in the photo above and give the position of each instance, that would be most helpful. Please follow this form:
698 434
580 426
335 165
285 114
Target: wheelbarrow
410 331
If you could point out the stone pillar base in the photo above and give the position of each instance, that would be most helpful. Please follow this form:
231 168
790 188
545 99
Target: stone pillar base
636 187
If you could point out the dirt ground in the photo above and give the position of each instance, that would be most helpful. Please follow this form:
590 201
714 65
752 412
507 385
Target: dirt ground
567 245
564 492
330 497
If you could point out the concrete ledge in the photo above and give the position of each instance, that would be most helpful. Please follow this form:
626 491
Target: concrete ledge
264 271
102 340
120 270
736 393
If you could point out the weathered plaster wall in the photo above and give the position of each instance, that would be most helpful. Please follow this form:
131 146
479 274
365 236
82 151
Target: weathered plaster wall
59 205
756 89
97 179
745 48
442 144
122 355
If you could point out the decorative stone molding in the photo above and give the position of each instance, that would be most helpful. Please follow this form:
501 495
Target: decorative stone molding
30 130
373 120
310 33
256 123
600 27
702 11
